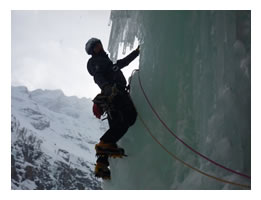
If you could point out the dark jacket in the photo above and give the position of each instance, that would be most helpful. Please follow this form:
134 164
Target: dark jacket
105 72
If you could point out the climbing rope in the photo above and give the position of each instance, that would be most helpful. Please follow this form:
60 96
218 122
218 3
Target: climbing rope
196 152
188 165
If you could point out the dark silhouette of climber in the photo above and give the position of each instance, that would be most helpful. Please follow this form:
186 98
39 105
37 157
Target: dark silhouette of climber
114 99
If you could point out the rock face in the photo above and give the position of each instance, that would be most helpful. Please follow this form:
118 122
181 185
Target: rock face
53 139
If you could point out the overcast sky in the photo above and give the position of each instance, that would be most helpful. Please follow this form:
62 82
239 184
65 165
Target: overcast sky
48 49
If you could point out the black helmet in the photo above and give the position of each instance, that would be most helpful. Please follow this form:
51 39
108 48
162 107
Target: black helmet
90 45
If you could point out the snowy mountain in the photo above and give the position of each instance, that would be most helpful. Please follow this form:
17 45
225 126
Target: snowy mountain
53 138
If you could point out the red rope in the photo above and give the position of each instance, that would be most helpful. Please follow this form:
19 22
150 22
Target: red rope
198 153
188 165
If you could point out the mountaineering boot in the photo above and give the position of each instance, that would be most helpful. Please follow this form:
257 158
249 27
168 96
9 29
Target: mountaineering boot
109 149
102 171
101 168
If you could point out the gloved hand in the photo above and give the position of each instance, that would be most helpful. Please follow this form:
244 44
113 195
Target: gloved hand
138 48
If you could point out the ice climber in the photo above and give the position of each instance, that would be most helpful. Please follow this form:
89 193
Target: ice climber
114 100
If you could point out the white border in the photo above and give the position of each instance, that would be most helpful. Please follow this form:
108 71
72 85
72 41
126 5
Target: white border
5 17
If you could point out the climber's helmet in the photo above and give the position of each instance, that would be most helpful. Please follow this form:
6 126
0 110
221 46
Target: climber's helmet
91 44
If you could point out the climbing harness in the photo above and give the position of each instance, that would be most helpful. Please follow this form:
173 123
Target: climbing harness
101 105
180 140
104 104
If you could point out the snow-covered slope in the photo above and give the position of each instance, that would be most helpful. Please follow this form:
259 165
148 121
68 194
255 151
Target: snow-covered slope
53 139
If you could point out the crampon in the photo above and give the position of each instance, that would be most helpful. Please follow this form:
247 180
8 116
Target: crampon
102 171
111 150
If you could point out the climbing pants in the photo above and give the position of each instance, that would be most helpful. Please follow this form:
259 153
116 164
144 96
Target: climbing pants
120 119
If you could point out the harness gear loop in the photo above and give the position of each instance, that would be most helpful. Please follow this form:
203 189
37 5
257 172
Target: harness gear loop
108 104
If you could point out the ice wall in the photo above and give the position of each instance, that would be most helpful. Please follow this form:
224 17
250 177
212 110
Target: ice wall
195 68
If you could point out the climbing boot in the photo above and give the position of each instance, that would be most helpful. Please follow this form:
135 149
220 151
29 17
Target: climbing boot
102 171
109 149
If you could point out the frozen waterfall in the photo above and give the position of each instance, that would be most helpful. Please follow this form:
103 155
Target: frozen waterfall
195 70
